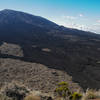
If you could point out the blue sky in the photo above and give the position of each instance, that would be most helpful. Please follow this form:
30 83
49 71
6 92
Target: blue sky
81 14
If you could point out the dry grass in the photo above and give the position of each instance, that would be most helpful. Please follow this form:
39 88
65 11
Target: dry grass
15 90
3 97
32 97
11 49
58 98
91 94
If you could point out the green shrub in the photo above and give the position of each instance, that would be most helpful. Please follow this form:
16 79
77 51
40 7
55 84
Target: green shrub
75 96
63 84
62 89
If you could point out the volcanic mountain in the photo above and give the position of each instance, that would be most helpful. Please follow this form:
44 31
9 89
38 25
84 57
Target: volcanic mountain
41 53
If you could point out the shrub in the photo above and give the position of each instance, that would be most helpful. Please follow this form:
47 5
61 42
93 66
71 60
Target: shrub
75 96
63 84
62 89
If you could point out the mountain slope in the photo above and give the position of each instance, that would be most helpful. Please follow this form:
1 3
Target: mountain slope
14 17
33 39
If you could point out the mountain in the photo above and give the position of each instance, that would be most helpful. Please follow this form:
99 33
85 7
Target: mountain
41 53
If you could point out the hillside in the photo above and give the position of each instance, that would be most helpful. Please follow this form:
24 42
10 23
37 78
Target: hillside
41 53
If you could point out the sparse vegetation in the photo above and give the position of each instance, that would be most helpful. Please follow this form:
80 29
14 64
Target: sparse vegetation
75 96
62 89
64 92
91 94
3 97
15 90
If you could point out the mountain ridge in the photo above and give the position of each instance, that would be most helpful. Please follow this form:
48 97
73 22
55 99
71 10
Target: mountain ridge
24 15
14 11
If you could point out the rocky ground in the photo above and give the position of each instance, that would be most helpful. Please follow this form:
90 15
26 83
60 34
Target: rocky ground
34 75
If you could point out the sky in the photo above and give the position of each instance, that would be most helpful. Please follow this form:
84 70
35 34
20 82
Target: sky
80 14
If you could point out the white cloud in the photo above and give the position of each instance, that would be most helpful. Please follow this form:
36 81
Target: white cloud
96 24
69 17
81 15
98 21
80 27
79 22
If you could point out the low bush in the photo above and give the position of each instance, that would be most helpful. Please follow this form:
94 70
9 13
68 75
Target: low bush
62 89
75 96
